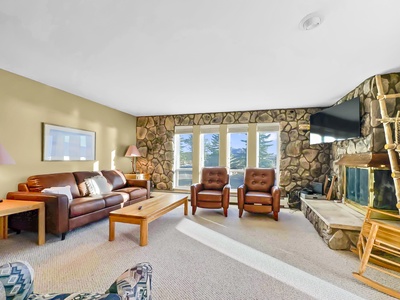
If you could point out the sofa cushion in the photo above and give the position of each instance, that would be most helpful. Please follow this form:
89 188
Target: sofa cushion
134 192
16 280
37 183
85 205
112 199
80 177
115 177
97 185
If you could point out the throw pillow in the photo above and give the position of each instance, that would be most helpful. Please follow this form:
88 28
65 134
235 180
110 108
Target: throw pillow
66 190
97 185
17 280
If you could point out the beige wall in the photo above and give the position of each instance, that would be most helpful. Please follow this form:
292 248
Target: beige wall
25 104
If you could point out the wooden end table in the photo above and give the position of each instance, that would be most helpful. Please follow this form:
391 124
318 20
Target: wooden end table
10 207
146 211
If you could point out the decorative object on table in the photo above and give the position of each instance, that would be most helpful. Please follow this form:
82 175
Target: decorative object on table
5 158
64 143
17 282
133 152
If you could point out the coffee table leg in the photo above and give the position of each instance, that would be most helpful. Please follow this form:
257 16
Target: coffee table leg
111 230
41 227
144 231
185 209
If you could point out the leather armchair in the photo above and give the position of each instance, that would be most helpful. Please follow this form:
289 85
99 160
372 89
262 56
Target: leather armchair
213 191
259 194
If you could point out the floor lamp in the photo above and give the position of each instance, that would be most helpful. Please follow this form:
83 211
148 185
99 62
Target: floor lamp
133 152
5 158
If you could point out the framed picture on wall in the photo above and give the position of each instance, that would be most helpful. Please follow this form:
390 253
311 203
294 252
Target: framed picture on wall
65 143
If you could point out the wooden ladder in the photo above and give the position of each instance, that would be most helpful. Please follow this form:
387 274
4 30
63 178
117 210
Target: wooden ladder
379 242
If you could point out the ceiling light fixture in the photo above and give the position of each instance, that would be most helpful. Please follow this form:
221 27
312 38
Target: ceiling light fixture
310 22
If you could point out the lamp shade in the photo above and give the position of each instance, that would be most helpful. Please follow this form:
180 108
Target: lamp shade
132 152
5 158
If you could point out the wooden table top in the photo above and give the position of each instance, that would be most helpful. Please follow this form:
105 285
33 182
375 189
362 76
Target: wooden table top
9 207
150 206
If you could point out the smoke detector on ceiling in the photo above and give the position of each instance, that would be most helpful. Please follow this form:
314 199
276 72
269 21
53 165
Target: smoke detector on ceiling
310 22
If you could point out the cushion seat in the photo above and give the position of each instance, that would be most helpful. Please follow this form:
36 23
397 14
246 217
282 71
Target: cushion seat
134 192
85 205
210 195
112 199
258 197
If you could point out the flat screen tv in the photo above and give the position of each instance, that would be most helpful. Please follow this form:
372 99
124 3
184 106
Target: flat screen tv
336 123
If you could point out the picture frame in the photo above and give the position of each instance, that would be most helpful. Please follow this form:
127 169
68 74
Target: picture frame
61 143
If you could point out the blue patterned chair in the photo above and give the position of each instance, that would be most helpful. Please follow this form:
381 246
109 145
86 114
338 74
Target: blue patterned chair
16 283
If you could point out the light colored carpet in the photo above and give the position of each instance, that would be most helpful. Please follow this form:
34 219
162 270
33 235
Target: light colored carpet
206 256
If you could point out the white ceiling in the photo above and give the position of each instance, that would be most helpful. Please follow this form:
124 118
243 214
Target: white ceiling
184 56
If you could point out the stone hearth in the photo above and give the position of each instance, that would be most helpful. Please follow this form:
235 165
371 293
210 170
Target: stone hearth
337 224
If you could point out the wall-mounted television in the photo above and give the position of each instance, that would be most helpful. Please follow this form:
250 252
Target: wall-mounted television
336 123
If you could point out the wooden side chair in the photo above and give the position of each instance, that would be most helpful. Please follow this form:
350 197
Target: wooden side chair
379 248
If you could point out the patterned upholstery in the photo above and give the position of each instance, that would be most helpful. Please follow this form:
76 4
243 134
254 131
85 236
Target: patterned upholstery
16 283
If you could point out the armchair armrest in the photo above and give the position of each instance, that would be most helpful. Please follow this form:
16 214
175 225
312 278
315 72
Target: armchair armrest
194 190
241 192
276 196
226 193
57 209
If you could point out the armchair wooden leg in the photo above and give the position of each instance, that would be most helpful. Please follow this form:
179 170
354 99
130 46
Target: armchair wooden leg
225 212
275 215
240 212
194 210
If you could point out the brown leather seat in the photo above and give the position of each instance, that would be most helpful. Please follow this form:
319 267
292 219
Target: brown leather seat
213 191
258 194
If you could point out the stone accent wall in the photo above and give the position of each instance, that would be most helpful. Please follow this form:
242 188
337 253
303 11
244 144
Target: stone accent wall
300 163
373 137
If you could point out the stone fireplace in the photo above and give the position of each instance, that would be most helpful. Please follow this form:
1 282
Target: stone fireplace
367 182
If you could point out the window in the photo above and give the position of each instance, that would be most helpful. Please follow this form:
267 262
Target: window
267 145
237 137
210 145
183 158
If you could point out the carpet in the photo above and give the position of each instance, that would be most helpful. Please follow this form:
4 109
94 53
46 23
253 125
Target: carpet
206 256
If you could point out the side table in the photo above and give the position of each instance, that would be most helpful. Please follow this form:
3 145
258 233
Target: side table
9 207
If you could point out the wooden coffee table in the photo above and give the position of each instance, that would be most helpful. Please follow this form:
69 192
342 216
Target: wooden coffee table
144 212
9 207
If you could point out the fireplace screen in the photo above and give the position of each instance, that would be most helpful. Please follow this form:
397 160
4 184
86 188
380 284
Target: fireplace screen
371 187
357 185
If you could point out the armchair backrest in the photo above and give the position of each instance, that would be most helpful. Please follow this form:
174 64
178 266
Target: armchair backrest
259 179
214 178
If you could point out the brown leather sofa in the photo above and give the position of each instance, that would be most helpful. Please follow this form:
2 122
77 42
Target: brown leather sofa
258 194
213 191
63 215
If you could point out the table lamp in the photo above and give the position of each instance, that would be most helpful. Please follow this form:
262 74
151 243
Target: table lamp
5 158
133 152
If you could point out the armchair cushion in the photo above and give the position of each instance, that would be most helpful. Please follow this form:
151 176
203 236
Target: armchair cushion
259 179
210 195
214 178
258 197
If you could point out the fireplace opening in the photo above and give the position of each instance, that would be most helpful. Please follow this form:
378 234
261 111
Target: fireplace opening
367 182
370 187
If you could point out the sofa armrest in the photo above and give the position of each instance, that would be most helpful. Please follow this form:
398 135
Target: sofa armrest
56 207
140 183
